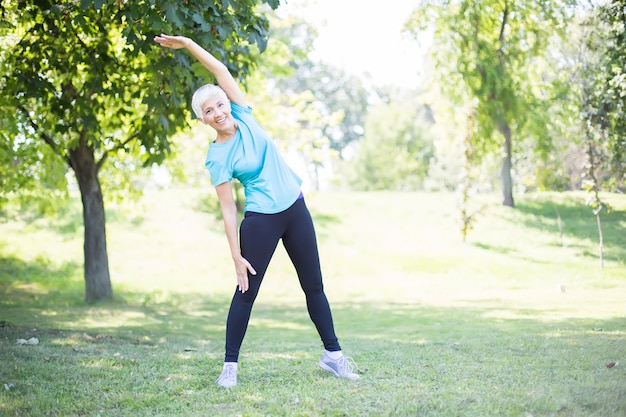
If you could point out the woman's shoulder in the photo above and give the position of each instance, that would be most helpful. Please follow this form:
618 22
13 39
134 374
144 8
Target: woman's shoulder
244 114
239 109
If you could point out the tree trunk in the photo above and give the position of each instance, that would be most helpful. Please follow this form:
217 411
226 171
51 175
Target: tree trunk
97 278
507 181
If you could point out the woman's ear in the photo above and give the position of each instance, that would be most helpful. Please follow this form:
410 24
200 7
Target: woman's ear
201 118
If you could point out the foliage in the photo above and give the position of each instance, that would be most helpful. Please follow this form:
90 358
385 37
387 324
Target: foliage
129 95
86 79
595 161
340 98
335 92
397 149
467 216
604 97
487 58
550 156
602 107
30 174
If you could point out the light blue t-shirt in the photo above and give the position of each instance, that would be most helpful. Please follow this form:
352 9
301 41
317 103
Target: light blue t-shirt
252 158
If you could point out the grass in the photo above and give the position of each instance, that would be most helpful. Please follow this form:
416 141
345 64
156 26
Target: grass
518 321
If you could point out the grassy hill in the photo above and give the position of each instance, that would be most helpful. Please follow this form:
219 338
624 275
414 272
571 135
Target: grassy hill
520 319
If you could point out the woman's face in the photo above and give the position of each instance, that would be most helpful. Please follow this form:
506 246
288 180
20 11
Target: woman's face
216 113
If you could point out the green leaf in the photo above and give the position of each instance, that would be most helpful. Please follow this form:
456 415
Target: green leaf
273 3
172 14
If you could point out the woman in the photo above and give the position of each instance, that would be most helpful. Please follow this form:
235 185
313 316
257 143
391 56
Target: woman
275 210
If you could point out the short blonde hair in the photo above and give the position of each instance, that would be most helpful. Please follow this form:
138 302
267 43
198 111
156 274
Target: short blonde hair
202 94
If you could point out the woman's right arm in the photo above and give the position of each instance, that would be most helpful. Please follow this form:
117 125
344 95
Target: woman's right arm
224 78
229 213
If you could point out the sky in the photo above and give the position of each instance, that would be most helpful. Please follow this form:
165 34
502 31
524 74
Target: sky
364 37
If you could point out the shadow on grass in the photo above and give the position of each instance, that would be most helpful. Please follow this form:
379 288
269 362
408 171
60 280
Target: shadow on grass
422 360
493 248
577 221
200 317
60 289
39 295
40 283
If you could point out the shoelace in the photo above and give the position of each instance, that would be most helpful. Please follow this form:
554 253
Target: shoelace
227 374
347 365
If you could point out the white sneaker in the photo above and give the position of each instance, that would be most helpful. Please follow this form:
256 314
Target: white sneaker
228 378
341 368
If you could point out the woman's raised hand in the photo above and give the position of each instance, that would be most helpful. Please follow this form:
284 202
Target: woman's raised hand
174 42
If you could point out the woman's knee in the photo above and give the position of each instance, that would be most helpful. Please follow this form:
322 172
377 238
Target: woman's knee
247 297
312 288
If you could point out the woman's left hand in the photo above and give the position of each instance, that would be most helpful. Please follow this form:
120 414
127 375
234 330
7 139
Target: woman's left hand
242 267
174 42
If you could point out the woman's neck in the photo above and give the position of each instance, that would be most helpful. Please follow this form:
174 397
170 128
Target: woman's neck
225 136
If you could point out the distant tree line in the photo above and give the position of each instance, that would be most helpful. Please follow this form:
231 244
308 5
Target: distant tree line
86 92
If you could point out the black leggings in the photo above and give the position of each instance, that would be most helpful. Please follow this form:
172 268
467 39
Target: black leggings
259 236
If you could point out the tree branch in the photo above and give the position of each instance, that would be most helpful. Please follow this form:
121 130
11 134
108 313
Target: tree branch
505 19
115 148
44 136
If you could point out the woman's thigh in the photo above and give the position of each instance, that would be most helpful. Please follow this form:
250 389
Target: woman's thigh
258 237
301 245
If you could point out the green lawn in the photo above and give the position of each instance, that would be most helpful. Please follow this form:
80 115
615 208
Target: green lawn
520 320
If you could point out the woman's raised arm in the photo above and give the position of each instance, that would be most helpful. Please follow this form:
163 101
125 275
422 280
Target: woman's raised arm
224 78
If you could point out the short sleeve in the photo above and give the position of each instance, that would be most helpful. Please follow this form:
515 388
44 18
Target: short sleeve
219 173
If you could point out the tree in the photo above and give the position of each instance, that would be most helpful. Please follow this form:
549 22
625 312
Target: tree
86 79
602 107
488 57
397 149
604 104
334 91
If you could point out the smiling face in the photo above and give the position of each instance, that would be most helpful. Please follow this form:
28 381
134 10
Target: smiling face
216 112
212 107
